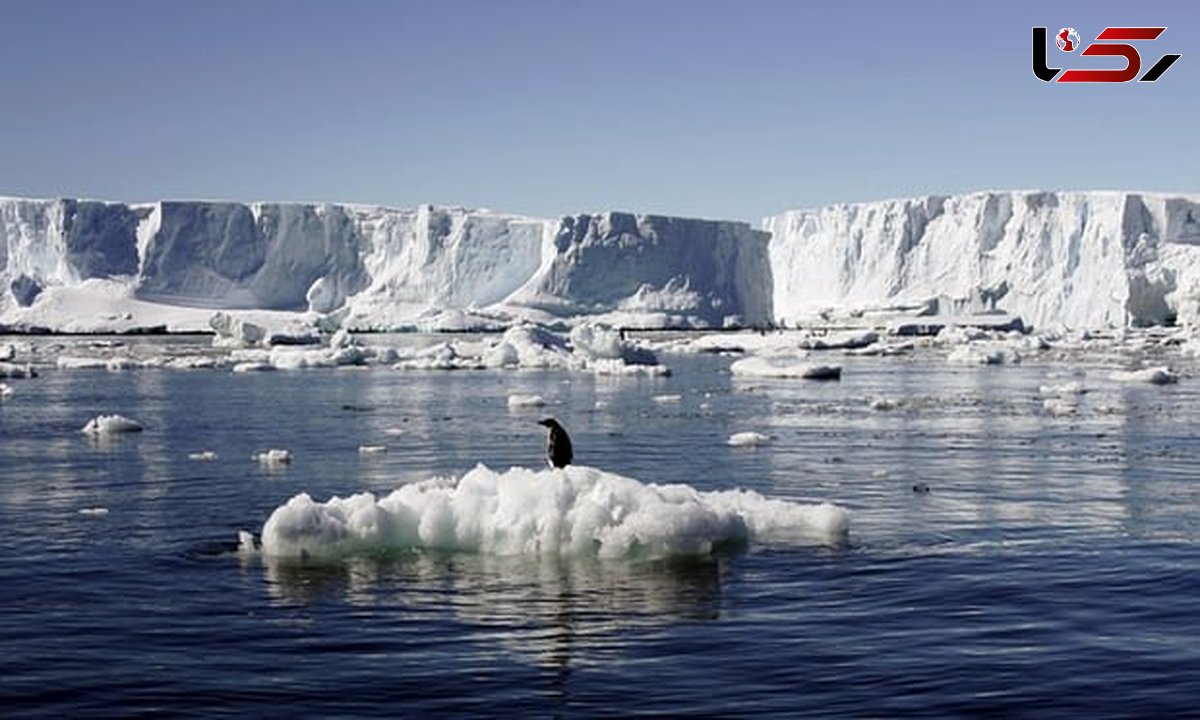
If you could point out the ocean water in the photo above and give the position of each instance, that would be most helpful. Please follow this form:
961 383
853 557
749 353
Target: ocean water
1001 560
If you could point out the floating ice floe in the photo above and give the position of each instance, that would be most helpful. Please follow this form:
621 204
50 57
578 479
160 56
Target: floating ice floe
111 425
203 456
273 457
1060 407
372 449
664 399
784 366
1066 389
6 391
1161 375
574 511
883 404
232 332
93 511
519 400
983 354
848 340
12 371
748 439
589 347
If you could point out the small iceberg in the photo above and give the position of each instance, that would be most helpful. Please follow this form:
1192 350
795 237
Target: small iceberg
748 439
111 425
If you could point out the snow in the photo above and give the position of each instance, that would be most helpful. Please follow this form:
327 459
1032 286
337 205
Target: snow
111 425
574 511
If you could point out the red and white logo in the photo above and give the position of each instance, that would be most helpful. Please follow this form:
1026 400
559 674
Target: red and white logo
1113 42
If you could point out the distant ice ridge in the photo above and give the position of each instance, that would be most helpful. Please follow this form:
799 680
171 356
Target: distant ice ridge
569 512
377 268
1057 259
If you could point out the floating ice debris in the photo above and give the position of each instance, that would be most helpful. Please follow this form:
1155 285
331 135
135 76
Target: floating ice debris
6 391
518 400
1161 375
94 511
8 352
976 354
232 332
849 340
748 439
1059 407
253 366
111 425
784 366
575 510
204 456
394 430
667 398
246 544
1065 389
372 449
13 371
274 456
883 404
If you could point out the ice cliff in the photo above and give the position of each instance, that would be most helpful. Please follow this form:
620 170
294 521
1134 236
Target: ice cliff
1074 259
381 267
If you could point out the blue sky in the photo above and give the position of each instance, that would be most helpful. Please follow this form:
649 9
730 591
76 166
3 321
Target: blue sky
714 109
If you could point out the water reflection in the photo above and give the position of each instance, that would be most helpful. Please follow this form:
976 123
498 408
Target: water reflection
548 611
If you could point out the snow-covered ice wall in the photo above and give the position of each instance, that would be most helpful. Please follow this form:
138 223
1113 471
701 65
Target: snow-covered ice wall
1077 259
386 266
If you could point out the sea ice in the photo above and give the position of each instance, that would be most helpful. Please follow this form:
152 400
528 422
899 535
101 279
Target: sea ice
110 425
519 400
274 456
576 510
784 366
748 439
1162 375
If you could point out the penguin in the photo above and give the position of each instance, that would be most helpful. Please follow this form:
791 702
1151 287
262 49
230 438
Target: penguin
558 447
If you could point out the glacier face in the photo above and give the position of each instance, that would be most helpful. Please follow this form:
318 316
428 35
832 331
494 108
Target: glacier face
387 267
1073 259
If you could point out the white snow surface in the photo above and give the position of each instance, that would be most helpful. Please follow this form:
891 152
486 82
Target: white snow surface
574 511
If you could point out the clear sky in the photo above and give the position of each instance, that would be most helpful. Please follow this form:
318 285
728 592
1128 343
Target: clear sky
692 107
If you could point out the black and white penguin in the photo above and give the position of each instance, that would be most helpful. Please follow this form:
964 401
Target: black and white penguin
558 447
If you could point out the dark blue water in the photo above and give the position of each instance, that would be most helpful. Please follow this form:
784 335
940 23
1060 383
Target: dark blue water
1050 570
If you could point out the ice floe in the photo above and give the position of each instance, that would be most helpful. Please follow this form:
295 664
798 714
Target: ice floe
576 510
111 425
